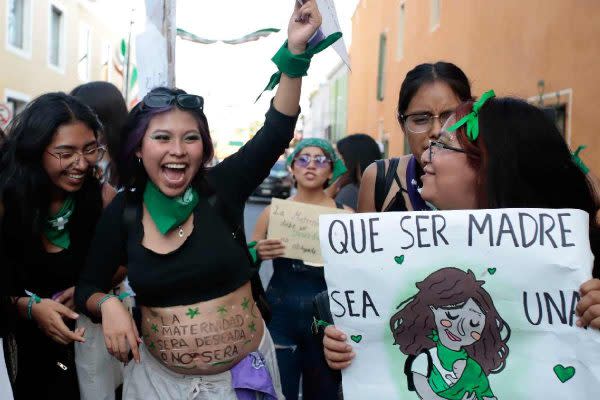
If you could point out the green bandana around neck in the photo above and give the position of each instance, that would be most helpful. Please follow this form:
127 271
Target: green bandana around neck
472 119
56 229
169 212
472 379
338 169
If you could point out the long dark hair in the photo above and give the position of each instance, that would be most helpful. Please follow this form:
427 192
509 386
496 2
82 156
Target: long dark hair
412 325
429 73
108 103
522 160
131 172
358 151
25 187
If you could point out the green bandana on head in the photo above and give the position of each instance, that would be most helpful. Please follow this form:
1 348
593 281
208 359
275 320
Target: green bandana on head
338 169
55 229
169 212
472 119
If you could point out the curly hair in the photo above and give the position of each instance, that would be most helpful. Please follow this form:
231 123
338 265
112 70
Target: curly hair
414 322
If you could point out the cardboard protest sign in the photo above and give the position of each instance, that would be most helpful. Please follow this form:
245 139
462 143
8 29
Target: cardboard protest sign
473 304
297 226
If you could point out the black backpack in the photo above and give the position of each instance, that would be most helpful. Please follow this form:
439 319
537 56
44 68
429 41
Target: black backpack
237 232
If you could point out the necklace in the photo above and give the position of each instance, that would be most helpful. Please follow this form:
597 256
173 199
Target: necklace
180 231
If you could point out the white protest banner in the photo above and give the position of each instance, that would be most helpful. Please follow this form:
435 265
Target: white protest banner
297 226
475 304
330 24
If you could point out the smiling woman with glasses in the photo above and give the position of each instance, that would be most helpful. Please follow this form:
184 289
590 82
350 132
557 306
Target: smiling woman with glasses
52 201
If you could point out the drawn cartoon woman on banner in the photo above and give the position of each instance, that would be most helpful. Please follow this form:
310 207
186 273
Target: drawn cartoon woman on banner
452 334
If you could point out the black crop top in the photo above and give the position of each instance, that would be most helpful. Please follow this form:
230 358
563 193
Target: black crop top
210 263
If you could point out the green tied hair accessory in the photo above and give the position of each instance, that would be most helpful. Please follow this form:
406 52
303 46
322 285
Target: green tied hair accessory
578 161
296 65
338 168
472 119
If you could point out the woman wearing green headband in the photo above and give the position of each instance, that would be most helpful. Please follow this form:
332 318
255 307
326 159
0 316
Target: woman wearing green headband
498 153
294 284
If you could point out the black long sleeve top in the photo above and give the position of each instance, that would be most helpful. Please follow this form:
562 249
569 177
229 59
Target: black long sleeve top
210 263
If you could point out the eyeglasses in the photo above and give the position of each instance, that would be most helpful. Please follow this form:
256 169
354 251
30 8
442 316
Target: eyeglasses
437 147
69 158
185 101
423 122
303 161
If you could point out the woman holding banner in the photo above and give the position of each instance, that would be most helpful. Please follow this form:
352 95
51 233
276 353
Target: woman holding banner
181 236
501 153
294 284
429 95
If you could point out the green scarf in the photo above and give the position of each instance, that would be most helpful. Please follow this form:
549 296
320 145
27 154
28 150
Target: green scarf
472 380
338 168
169 212
55 229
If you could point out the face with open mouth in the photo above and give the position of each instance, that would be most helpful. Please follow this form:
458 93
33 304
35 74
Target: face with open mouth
70 155
172 151
459 325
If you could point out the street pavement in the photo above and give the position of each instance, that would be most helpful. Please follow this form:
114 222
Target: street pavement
253 209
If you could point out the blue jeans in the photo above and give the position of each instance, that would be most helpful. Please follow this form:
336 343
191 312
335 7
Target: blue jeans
299 353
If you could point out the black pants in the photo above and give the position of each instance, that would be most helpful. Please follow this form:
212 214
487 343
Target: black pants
41 364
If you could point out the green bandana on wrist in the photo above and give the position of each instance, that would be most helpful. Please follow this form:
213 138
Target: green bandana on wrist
296 65
169 212
472 119
578 161
338 168
55 229
472 380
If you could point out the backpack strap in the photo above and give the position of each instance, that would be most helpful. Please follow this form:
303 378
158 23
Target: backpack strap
384 180
239 235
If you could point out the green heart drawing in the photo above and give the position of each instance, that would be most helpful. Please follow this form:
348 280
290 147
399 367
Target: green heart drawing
356 338
492 271
399 259
564 373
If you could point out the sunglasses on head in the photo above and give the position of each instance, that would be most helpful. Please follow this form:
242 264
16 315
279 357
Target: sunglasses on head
185 101
304 160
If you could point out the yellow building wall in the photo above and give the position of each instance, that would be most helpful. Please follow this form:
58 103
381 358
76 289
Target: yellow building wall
506 45
32 76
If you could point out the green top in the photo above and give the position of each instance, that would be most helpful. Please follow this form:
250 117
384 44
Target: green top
472 379
169 212
56 229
